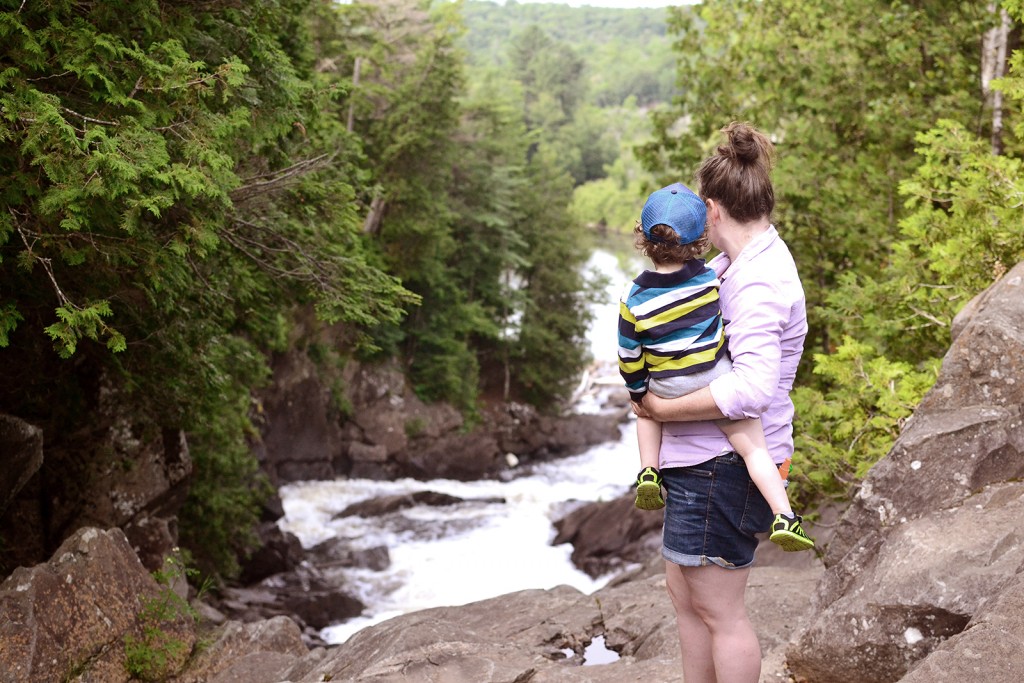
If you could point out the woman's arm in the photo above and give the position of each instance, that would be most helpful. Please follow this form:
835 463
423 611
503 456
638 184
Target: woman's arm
699 405
754 336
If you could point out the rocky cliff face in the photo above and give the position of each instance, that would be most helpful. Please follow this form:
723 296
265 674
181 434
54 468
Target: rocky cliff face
924 580
114 473
387 432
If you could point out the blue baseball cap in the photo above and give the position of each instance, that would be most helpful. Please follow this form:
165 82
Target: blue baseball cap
677 207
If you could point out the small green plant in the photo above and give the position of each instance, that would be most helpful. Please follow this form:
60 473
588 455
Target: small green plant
153 655
415 426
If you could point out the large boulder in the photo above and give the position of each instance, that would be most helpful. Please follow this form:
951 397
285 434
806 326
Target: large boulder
989 649
609 535
300 432
934 531
93 613
245 653
84 606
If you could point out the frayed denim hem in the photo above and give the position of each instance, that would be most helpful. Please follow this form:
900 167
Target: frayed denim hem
700 560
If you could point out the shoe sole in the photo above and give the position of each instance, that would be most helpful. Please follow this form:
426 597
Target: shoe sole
648 496
791 542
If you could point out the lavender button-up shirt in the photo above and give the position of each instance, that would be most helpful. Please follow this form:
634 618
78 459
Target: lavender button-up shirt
765 324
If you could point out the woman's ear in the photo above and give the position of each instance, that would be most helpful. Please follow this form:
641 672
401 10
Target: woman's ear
712 209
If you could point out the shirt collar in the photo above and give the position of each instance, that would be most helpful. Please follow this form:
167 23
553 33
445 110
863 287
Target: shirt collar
721 263
652 278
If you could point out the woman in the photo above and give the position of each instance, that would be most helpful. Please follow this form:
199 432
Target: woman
713 508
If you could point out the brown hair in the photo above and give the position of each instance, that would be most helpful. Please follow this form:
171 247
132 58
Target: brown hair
738 174
665 248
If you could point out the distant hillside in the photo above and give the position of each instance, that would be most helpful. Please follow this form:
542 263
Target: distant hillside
626 51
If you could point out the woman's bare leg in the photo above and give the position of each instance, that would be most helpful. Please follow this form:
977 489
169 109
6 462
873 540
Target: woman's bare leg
747 437
717 640
694 636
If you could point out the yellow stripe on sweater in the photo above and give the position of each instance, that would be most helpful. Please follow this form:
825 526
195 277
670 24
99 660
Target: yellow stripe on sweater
676 312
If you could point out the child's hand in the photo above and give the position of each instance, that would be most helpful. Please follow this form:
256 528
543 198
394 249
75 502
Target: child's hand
639 410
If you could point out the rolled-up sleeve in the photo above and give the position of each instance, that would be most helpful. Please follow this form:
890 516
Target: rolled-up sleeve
755 323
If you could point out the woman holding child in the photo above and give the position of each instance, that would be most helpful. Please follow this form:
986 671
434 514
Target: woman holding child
713 507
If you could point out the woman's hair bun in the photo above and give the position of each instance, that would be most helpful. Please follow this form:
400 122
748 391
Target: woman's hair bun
747 145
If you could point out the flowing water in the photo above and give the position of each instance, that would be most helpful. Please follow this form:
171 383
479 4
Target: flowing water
497 541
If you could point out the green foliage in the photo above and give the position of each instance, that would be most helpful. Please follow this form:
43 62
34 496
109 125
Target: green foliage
551 350
842 430
614 201
415 427
174 182
963 234
626 51
180 183
843 88
9 319
75 323
217 523
157 653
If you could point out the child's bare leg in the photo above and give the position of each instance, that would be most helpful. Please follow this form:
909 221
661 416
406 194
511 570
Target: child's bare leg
648 482
648 436
747 437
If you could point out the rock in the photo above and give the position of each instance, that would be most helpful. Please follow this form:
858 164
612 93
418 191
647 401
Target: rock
464 457
541 636
91 593
244 653
95 591
523 431
336 552
607 536
279 551
987 650
390 433
112 473
935 528
908 595
300 433
313 597
322 607
382 505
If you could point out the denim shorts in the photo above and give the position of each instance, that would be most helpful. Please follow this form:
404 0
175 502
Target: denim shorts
712 512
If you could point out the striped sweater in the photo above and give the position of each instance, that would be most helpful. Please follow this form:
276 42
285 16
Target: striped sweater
670 324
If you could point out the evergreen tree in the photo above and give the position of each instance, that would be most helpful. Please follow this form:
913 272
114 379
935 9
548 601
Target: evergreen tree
172 209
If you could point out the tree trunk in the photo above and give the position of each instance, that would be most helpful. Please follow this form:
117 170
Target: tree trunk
355 84
993 66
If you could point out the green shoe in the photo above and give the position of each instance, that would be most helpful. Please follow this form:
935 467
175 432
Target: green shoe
648 490
788 533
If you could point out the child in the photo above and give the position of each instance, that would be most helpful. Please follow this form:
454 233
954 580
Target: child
672 342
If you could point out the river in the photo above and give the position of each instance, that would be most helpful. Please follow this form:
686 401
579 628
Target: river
481 548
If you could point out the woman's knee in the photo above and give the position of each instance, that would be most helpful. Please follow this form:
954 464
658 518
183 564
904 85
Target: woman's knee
715 595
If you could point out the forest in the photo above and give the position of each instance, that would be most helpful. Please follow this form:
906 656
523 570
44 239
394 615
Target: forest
185 184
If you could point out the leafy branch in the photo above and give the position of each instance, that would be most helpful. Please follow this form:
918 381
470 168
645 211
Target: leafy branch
74 321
